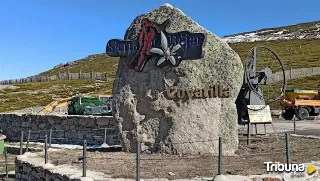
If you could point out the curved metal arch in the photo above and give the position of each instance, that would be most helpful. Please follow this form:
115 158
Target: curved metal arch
249 83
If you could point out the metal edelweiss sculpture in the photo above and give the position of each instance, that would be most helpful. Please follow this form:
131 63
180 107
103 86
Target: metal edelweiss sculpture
155 42
167 53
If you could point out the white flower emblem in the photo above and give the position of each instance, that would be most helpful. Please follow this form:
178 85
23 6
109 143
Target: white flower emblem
166 52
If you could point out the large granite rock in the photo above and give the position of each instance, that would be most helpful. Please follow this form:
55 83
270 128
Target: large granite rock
176 126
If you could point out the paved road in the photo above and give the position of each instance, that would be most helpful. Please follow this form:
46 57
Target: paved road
309 127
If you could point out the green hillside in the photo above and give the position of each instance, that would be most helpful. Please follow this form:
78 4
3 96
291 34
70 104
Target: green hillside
96 63
294 53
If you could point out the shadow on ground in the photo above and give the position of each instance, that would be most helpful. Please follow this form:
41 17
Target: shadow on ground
112 149
3 177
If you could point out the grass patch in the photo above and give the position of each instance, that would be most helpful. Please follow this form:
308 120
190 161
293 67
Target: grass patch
293 53
42 93
95 63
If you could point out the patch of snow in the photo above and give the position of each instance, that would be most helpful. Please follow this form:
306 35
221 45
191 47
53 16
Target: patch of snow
266 31
301 36
256 39
278 33
271 38
252 37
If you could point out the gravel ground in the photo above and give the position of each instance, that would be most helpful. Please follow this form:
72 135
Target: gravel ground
249 160
306 127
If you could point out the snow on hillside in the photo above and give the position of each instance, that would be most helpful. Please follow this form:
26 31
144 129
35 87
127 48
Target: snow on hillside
275 34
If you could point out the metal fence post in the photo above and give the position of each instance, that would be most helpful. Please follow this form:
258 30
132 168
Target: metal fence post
6 160
287 148
46 150
21 142
84 156
249 134
28 140
294 125
220 157
138 161
50 137
105 136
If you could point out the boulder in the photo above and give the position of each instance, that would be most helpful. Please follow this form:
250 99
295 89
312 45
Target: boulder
178 126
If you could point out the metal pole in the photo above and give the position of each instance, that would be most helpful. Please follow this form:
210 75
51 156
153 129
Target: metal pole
138 161
50 137
28 140
256 129
21 142
287 148
220 157
46 150
249 134
105 136
294 125
6 160
84 156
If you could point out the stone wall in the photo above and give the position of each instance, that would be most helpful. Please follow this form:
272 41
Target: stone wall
31 167
65 129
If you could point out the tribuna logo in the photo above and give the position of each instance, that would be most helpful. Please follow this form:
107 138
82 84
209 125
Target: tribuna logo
280 167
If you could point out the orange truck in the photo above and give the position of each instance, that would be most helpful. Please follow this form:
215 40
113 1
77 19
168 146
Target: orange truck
300 103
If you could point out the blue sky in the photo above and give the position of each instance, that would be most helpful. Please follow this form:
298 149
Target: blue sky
36 35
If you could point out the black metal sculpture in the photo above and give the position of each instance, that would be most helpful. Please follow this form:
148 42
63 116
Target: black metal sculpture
251 92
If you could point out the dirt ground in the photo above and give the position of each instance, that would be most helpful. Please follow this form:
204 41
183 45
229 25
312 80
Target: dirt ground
249 160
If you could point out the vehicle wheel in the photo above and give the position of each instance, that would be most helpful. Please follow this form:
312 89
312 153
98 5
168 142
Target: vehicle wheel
288 114
302 113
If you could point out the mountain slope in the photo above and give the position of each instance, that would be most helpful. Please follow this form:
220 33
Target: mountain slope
92 63
308 30
295 52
